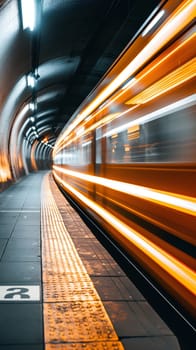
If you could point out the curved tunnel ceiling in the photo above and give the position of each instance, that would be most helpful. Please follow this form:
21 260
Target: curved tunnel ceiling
71 48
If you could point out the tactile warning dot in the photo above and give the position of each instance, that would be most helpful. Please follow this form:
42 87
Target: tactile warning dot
86 346
70 291
89 319
58 277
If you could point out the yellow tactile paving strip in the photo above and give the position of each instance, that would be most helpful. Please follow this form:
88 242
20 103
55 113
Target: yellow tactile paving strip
74 316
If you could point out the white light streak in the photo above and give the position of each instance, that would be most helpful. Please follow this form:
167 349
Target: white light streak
159 113
86 143
129 83
153 22
80 131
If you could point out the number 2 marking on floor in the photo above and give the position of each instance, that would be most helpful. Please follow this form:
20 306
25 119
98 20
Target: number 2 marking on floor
19 293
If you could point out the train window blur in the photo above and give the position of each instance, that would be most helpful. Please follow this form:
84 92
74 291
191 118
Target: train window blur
78 153
86 152
98 145
58 158
168 139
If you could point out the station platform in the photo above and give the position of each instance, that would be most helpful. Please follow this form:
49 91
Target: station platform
59 287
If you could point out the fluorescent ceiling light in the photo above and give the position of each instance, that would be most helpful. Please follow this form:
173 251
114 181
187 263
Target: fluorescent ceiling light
32 106
31 80
28 14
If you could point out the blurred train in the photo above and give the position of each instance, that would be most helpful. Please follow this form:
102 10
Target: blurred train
128 154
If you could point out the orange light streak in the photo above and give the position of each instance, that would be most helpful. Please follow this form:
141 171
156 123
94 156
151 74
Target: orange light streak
170 81
106 119
179 271
141 76
183 204
183 15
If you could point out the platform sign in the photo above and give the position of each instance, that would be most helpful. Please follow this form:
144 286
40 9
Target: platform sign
19 293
